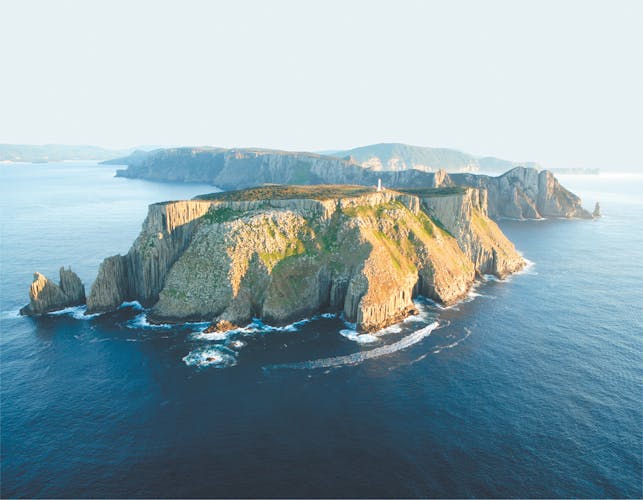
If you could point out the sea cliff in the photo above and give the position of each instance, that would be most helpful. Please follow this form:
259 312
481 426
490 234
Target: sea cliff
281 253
519 193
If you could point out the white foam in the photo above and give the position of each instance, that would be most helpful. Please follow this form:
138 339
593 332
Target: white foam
216 357
76 312
135 304
236 344
361 338
212 336
14 313
439 349
141 322
359 357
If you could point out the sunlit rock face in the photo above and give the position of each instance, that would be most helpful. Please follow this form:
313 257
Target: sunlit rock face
525 193
45 296
282 253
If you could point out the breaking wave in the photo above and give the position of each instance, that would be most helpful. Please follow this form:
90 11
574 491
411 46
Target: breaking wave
141 322
211 357
439 349
361 338
76 312
135 304
359 357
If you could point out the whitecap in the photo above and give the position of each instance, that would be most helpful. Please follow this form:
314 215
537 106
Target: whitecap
141 322
134 304
76 312
359 357
13 313
439 349
213 336
236 344
361 338
215 356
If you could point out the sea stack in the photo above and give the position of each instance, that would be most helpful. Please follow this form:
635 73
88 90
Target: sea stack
45 296
597 210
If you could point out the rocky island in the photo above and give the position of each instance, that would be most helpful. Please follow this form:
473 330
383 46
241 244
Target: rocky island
282 253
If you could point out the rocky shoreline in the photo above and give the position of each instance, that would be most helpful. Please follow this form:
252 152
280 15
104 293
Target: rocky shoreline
283 253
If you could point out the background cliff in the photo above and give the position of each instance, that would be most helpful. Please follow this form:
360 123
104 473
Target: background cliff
519 193
282 253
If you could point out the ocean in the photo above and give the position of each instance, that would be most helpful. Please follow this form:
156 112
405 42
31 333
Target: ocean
532 387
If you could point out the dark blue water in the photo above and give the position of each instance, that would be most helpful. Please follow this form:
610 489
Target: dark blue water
532 389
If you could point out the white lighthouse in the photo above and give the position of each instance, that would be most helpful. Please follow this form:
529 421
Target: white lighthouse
379 185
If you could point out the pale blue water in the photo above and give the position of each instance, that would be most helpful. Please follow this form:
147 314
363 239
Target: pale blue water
532 389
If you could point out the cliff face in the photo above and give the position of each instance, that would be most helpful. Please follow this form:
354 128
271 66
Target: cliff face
365 254
140 274
525 193
243 168
465 217
519 193
45 296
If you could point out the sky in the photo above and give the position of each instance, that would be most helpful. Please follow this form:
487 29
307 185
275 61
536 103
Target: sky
557 82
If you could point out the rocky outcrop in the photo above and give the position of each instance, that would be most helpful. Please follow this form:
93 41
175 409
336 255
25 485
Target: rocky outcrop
283 253
524 193
521 193
140 274
597 210
45 296
464 215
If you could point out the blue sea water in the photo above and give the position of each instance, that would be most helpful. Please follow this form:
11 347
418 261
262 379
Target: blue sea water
532 388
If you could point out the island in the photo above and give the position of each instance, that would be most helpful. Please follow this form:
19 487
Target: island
282 253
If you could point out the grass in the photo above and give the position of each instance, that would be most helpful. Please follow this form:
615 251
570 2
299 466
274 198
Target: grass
288 192
221 215
428 192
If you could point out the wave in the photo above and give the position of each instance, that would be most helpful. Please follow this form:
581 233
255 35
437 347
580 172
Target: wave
134 304
76 312
236 344
214 356
360 338
439 349
141 322
11 313
212 336
359 357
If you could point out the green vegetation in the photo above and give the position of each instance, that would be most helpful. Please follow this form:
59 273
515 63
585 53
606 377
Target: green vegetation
220 215
286 192
431 192
270 259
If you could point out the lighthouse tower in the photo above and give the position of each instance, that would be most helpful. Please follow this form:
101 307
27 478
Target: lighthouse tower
379 185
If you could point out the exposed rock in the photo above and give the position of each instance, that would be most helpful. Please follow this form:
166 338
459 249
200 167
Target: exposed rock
220 326
45 296
282 253
464 215
524 193
597 210
521 193
140 274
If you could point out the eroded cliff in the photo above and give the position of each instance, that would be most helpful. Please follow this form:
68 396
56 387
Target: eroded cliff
282 253
519 193
45 296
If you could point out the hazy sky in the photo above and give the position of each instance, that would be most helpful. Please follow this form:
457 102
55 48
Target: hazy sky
556 82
